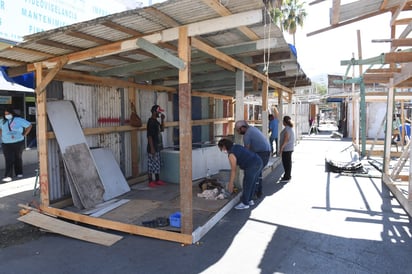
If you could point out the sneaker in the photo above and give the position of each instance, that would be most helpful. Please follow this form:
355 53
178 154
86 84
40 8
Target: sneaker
160 183
152 184
20 176
251 203
284 180
242 206
7 179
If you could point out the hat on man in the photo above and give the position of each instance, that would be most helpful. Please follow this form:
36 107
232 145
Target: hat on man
157 108
241 123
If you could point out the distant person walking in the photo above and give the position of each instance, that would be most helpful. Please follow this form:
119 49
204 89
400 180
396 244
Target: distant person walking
254 140
249 162
287 144
155 145
274 131
13 131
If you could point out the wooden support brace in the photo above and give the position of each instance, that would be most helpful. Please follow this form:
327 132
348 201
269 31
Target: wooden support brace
161 53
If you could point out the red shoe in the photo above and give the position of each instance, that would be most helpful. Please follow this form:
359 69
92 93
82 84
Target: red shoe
160 183
152 184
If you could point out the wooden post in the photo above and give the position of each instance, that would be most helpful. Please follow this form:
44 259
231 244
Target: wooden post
388 131
239 115
41 100
133 136
185 135
211 111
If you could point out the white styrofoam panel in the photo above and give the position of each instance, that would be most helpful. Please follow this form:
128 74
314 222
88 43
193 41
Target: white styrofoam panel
112 177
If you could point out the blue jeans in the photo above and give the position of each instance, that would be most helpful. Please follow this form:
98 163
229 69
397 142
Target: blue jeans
265 159
251 175
271 139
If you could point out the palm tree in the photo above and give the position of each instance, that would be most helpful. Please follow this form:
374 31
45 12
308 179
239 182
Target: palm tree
289 14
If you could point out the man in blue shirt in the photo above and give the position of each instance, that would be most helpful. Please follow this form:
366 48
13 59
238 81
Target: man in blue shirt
274 131
256 141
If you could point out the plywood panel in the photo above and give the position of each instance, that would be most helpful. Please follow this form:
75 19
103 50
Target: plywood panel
82 169
68 229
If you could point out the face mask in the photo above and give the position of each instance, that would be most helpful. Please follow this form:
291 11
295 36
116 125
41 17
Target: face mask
8 116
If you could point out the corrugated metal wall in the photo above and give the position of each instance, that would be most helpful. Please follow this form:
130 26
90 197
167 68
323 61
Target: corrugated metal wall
96 106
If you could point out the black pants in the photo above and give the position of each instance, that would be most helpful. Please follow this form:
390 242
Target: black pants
13 157
287 164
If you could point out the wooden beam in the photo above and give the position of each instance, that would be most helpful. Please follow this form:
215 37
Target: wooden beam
42 121
29 51
194 29
397 12
219 55
164 18
383 5
87 37
160 53
57 45
41 86
118 27
372 14
185 134
82 78
335 12
406 74
119 226
398 57
404 42
223 11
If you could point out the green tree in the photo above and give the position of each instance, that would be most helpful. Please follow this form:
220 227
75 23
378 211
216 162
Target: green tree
288 14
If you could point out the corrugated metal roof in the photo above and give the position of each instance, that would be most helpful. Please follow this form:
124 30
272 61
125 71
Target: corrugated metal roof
144 21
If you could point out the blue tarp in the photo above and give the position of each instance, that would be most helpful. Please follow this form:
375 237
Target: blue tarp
26 80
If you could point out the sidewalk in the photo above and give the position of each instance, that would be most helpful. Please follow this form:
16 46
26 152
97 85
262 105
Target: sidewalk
15 192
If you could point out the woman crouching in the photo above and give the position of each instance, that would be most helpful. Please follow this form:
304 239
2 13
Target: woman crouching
249 162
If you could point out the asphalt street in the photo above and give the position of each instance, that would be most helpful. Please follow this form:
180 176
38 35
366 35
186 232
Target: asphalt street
319 222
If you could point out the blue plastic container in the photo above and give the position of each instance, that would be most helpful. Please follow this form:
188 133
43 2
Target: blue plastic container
175 219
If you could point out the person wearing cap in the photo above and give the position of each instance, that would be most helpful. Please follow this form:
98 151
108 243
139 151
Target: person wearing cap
256 141
249 162
13 130
155 145
286 146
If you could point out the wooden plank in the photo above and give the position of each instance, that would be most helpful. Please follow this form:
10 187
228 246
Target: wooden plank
233 62
127 228
69 230
49 77
86 180
202 230
83 78
41 100
160 53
